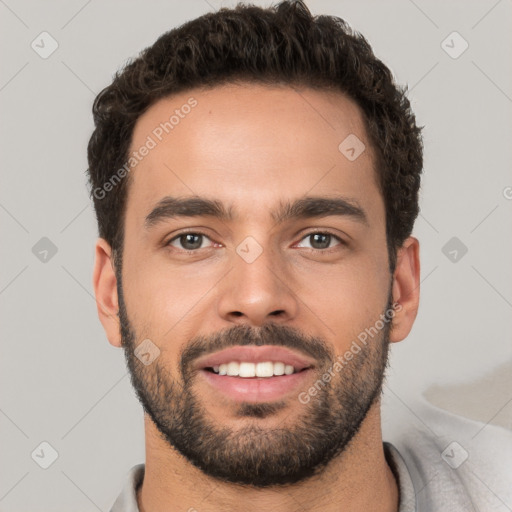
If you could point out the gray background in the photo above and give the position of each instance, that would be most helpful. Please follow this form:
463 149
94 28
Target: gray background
61 381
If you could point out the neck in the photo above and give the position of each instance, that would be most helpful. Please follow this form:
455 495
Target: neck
358 480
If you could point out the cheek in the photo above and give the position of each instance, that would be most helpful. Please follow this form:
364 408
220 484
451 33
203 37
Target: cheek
163 295
347 299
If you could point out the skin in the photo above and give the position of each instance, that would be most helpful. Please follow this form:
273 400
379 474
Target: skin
253 146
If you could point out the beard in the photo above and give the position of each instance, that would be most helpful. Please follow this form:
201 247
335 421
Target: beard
253 455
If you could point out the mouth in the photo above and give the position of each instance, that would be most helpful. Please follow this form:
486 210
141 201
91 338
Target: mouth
248 370
256 374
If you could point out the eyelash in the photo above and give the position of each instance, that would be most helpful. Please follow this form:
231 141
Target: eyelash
322 251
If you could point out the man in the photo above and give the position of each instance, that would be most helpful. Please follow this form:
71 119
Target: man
255 175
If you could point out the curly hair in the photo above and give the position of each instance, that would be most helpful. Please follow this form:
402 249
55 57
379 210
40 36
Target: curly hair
282 44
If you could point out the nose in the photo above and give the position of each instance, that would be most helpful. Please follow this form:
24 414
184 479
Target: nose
257 292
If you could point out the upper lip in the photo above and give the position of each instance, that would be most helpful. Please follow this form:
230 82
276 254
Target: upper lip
253 354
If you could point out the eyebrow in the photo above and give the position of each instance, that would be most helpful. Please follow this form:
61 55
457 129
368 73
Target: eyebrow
303 208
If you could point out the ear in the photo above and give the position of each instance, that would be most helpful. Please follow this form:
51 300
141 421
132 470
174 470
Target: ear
406 289
105 289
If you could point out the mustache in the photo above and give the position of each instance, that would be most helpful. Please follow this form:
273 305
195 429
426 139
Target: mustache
268 334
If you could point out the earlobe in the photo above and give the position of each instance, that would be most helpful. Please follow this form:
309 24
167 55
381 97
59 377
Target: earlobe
105 289
406 289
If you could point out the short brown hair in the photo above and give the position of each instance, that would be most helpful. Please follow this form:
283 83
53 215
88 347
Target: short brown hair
281 44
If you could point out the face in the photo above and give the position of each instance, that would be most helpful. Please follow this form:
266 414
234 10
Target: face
297 262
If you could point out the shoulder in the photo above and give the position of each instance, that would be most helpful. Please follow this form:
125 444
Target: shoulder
127 500
455 461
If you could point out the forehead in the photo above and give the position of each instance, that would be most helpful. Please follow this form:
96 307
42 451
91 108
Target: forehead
250 145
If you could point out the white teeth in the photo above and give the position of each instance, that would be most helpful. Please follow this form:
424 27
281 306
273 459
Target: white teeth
244 369
278 368
233 368
264 369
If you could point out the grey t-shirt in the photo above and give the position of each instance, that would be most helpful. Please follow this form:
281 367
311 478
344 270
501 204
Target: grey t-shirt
446 464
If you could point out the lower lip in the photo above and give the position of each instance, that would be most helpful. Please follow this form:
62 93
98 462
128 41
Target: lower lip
257 389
